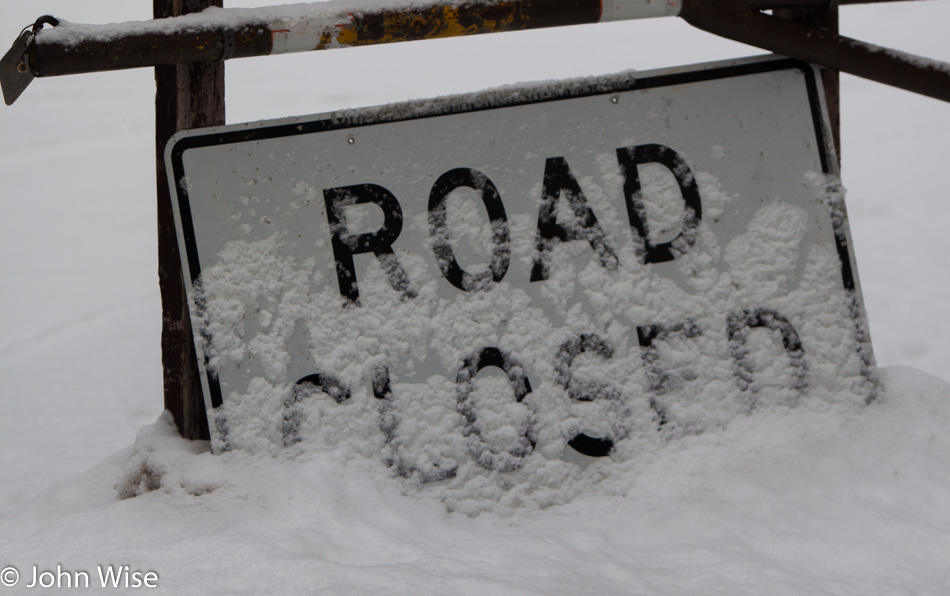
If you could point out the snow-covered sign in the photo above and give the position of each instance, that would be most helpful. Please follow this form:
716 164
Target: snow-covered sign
510 294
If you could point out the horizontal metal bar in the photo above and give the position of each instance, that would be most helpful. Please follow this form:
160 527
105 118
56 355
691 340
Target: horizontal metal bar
737 21
48 58
223 34
236 33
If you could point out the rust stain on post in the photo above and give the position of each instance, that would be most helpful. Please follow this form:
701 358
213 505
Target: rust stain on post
431 23
441 21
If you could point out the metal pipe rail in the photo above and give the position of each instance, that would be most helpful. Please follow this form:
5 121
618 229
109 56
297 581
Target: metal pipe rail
224 34
734 20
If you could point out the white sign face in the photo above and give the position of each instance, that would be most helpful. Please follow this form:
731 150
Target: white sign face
515 292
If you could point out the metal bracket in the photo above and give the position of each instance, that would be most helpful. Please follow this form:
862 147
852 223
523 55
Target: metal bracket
15 75
230 44
15 72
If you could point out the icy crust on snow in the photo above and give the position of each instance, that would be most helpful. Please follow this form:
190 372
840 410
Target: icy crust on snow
486 449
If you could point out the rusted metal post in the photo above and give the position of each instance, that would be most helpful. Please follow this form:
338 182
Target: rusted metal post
187 96
826 18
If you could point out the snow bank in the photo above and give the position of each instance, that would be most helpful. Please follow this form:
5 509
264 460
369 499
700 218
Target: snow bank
793 501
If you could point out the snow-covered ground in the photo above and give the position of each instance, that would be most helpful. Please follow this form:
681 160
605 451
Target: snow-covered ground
798 501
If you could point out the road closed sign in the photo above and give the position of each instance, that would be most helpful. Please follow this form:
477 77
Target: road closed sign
516 294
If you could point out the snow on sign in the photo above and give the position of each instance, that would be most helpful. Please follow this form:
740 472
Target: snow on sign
517 293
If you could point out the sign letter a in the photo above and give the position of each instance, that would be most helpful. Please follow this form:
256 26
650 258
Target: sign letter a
559 183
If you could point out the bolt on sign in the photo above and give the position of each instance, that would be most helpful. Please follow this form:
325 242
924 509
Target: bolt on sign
518 293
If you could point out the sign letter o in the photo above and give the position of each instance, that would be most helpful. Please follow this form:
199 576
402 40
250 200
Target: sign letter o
438 230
